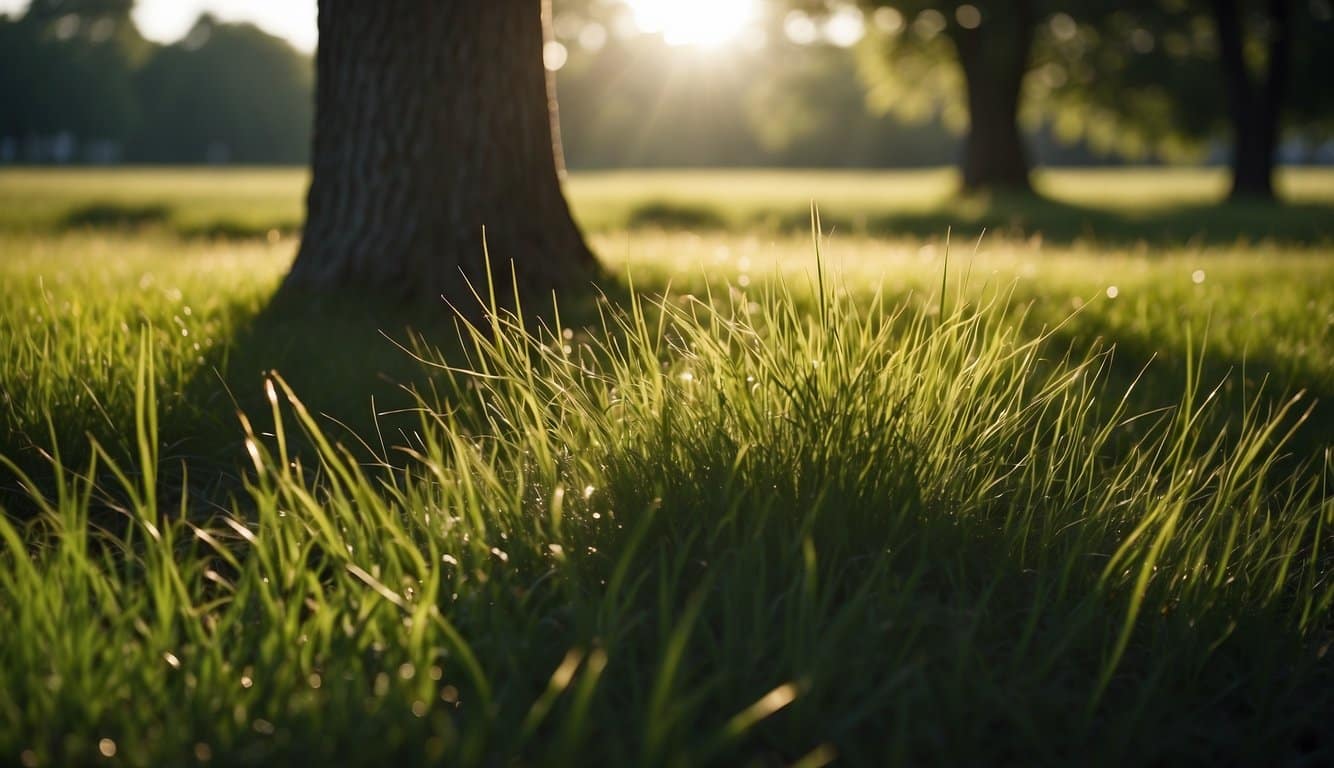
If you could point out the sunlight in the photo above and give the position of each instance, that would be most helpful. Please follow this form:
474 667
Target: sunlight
704 23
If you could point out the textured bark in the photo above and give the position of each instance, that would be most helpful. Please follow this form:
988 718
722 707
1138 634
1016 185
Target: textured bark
994 57
1254 104
433 121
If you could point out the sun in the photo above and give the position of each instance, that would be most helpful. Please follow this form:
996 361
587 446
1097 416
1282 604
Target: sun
703 23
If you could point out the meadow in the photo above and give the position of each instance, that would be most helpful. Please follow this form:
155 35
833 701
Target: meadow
904 492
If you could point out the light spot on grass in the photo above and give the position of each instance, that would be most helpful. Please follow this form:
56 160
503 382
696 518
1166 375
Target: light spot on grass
449 694
1197 276
171 659
107 748
1113 291
407 671
419 708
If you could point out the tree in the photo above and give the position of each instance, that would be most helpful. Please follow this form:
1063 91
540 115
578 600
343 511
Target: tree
69 69
200 100
991 43
433 121
1172 73
1255 100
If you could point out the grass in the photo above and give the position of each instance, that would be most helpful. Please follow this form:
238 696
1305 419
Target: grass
762 505
1118 207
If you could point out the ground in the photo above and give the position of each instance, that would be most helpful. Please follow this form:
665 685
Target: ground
918 491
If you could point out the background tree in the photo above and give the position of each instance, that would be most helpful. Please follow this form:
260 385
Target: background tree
68 69
972 59
434 120
1173 76
226 92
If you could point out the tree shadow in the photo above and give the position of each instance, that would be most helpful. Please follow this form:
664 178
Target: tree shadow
1061 222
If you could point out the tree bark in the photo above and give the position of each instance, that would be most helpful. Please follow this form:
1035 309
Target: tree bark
433 121
994 58
1254 105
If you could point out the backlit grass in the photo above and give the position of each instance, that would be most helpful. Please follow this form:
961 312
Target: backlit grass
755 505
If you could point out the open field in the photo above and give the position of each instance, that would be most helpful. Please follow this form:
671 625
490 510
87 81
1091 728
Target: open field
1116 206
1060 495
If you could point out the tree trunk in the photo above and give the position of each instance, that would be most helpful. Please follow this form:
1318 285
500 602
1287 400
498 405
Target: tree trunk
433 121
1254 107
994 58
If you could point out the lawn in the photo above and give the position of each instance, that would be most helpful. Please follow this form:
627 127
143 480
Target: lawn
1055 493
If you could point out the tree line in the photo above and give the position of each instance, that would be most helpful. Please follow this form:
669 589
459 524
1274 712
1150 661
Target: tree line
996 85
80 83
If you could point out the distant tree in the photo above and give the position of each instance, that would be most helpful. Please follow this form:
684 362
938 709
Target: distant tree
69 68
226 92
434 121
975 55
1169 73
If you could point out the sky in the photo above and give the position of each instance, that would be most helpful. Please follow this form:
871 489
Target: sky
169 20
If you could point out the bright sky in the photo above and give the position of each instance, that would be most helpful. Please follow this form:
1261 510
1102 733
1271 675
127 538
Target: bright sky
169 20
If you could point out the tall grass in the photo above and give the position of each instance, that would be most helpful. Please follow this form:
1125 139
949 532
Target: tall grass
715 529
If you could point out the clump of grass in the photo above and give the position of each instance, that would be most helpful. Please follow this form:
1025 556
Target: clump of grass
714 529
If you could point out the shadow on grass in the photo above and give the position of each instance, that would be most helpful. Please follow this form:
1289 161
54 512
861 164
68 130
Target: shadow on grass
133 217
1053 220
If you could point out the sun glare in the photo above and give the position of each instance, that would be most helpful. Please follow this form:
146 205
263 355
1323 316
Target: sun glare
704 23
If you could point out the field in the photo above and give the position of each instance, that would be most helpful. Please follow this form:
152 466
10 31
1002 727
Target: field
904 493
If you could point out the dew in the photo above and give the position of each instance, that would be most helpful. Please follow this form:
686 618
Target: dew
315 680
567 334
1113 291
1197 276
687 377
743 281
247 681
107 747
449 694
419 708
500 554
449 560
556 549
381 684
171 659
436 673
407 671
597 515
203 752
588 491
263 726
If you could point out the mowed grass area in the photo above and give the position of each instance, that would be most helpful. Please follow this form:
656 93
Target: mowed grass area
1118 206
753 504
